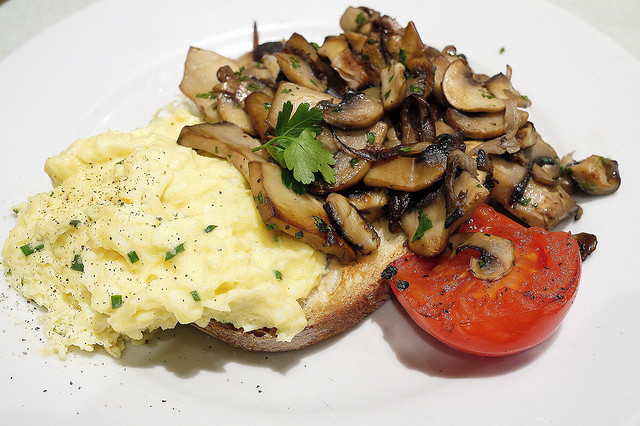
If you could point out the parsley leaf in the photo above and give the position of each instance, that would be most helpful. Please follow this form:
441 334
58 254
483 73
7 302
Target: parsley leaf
296 148
424 224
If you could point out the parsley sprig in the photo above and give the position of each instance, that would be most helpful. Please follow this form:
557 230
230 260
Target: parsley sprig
296 148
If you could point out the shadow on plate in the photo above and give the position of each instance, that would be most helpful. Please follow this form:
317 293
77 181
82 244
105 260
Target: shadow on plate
418 350
186 351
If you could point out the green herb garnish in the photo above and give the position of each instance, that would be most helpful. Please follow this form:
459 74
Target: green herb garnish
424 224
195 295
77 264
210 228
174 251
278 274
28 249
402 57
297 150
371 137
361 19
133 256
116 301
353 162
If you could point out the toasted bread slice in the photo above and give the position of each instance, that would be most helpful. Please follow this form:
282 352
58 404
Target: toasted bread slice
347 295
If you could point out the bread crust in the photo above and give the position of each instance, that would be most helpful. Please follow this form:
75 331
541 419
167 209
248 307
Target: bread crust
359 293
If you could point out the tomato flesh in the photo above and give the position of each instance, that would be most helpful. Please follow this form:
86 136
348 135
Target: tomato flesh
492 318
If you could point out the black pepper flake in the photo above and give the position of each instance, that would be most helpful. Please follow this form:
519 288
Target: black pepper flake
402 284
389 272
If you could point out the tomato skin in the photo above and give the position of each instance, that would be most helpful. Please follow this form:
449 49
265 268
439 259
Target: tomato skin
492 318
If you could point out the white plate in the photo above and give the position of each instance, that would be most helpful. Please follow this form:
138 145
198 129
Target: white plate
115 63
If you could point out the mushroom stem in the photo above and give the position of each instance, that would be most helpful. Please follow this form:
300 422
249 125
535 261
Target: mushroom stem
497 256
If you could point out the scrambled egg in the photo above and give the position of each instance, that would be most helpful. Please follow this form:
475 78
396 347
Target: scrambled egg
140 233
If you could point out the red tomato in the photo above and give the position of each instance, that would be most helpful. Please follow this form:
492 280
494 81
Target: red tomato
498 317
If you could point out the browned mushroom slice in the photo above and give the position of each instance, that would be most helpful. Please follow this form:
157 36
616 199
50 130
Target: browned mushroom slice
527 135
475 194
349 171
199 77
370 200
587 243
342 59
497 256
231 112
353 227
394 86
356 111
417 121
298 71
465 93
223 140
358 19
424 228
404 174
536 204
500 86
440 65
374 53
596 175
297 95
482 126
411 43
257 106
302 216
356 40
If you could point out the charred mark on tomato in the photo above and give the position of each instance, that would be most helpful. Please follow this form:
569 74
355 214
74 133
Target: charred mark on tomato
402 284
389 272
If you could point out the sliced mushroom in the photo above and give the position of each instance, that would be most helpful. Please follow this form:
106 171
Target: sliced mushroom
356 111
370 200
257 106
440 65
500 86
497 256
349 171
232 112
404 174
424 228
223 140
353 227
527 135
587 243
536 204
342 59
465 93
301 216
358 19
297 95
596 175
298 71
411 43
483 126
475 193
394 86
199 77
417 121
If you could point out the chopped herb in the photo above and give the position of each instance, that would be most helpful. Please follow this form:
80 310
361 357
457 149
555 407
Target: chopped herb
16 211
371 137
416 89
365 58
260 198
404 148
133 256
314 45
402 57
267 105
21 282
361 19
321 224
174 251
240 71
28 249
502 50
195 295
483 259
525 97
391 78
285 91
296 148
299 234
524 201
295 64
604 161
210 228
77 264
208 95
271 227
386 95
74 223
252 87
116 301
487 96
353 162
424 224
372 41
120 162
278 274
